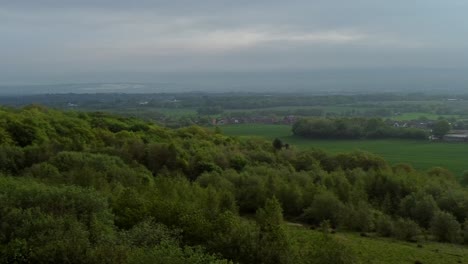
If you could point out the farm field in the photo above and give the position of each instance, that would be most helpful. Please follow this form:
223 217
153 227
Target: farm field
369 249
421 154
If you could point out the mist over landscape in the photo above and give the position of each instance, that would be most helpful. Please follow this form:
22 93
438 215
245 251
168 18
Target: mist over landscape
233 132
217 46
350 81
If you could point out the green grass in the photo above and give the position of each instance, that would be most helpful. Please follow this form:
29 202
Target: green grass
379 250
419 153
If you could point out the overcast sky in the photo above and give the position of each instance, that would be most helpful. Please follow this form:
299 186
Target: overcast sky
71 40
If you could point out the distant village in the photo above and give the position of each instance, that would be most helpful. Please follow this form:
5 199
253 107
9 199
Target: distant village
287 120
452 136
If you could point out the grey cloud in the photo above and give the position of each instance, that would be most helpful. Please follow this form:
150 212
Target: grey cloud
64 37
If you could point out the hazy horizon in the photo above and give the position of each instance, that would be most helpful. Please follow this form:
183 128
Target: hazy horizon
313 82
221 45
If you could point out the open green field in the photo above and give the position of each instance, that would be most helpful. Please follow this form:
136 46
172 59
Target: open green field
379 250
421 154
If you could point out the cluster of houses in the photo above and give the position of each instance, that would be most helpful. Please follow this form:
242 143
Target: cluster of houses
452 136
412 124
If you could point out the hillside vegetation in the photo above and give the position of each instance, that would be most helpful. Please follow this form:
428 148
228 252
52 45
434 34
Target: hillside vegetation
96 188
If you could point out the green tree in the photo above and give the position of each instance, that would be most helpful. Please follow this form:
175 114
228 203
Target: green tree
464 179
445 227
328 250
235 238
277 144
325 206
384 225
358 218
465 232
47 224
273 242
441 128
406 229
419 207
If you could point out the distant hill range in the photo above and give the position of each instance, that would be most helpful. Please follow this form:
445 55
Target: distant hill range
343 81
86 88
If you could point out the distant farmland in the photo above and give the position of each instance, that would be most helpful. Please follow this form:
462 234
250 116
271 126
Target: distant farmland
420 154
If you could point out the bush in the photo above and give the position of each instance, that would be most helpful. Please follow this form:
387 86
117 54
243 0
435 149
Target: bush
465 232
45 224
325 206
359 218
445 227
172 254
384 225
406 229
330 250
274 245
419 207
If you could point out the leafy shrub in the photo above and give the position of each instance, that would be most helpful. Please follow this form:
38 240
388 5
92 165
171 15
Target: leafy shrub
445 227
406 229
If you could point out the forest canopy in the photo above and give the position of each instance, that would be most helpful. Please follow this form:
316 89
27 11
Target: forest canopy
80 187
354 128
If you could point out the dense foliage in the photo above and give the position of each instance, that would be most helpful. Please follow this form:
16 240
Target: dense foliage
94 188
353 128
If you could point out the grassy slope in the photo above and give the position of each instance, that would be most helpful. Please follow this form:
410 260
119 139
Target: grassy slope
389 251
421 154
